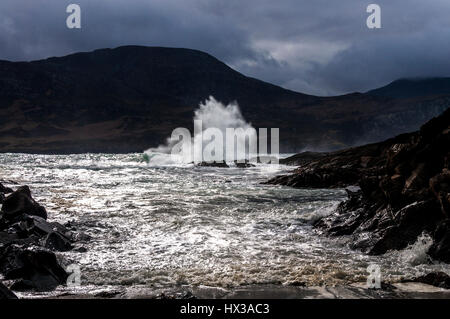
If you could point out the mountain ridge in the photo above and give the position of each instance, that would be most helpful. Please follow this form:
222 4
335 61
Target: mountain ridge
414 87
130 98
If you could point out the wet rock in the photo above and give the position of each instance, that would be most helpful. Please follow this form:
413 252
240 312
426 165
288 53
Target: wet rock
21 202
404 190
38 266
22 285
437 279
302 158
245 164
213 164
440 185
440 250
408 224
176 295
318 178
56 241
107 294
34 225
78 236
5 190
80 249
13 238
5 293
27 240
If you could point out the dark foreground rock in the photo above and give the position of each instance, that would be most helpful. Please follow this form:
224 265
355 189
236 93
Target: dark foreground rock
213 164
21 202
28 242
401 188
34 267
437 279
5 293
245 164
302 158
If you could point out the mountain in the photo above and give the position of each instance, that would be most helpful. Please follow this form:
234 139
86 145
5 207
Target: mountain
131 98
413 88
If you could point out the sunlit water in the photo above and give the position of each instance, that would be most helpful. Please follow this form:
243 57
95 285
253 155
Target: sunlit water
184 225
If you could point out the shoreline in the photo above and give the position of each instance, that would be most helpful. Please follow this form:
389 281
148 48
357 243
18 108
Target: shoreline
406 290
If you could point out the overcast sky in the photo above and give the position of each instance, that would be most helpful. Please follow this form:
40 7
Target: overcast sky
313 46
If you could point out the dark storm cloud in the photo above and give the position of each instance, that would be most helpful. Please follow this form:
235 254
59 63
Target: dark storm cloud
319 47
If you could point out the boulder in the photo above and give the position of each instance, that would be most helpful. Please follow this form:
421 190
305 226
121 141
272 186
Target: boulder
437 279
5 190
56 241
245 164
13 238
38 266
5 293
440 185
213 164
21 202
440 250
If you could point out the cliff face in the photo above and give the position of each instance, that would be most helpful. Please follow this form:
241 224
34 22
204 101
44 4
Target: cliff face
131 98
401 189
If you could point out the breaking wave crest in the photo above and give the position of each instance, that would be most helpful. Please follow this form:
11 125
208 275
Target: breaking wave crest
211 114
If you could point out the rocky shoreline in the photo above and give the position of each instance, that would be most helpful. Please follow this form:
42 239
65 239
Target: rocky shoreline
397 190
29 244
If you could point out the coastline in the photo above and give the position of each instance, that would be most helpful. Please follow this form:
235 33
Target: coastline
407 290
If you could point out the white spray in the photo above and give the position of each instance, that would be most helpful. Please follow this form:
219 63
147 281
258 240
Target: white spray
211 114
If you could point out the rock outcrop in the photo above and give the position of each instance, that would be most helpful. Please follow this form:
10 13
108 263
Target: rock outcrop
437 279
401 189
5 293
21 202
28 242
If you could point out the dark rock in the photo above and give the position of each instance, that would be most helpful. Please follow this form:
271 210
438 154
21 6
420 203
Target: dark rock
107 294
302 158
404 190
21 202
437 279
245 164
5 190
26 241
35 225
80 249
58 242
440 185
39 226
440 250
319 178
176 295
213 164
78 236
13 238
5 293
22 285
38 266
408 224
